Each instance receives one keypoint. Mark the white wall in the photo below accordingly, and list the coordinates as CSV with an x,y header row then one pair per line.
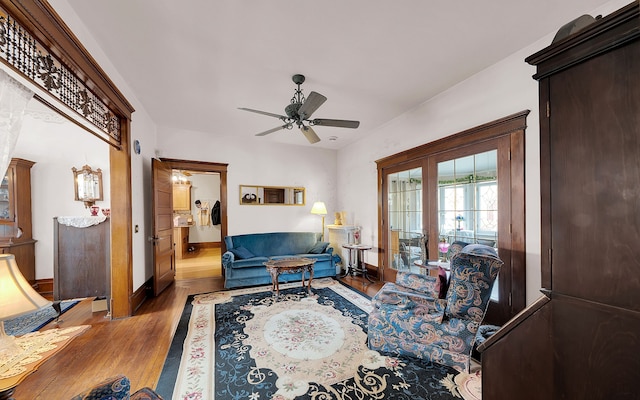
x,y
502,89
206,188
56,145
258,162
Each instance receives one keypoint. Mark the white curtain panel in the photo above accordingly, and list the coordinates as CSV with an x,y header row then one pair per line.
x,y
14,97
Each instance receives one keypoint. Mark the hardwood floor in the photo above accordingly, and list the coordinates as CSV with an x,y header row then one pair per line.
x,y
202,263
135,346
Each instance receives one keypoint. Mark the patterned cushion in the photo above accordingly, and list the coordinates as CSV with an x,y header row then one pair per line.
x,y
455,248
115,388
472,278
145,394
398,297
418,282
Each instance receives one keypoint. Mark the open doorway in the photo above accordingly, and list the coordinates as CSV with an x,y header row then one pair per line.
x,y
197,226
199,217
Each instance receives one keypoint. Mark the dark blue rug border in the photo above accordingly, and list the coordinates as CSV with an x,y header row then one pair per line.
x,y
18,331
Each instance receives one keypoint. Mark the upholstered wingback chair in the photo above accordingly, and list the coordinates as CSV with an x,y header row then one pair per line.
x,y
409,318
116,388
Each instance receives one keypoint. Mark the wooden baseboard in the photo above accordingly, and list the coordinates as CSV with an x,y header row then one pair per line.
x,y
139,296
372,271
206,245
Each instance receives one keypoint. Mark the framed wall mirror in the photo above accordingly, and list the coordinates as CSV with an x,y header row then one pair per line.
x,y
252,195
88,185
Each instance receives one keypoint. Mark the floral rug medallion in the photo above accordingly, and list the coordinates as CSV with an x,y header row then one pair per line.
x,y
303,341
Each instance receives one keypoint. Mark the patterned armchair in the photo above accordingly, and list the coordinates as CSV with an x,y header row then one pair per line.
x,y
409,318
116,388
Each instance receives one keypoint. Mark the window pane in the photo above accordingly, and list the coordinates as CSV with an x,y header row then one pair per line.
x,y
405,217
468,201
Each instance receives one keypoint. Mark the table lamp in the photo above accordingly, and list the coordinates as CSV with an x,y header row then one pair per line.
x,y
320,209
17,297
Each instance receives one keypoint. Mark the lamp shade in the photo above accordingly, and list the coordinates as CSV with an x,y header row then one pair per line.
x,y
319,208
17,297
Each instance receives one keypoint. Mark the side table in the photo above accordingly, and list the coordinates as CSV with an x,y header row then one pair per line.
x,y
355,264
432,267
290,266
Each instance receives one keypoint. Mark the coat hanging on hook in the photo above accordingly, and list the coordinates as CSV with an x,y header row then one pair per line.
x,y
215,213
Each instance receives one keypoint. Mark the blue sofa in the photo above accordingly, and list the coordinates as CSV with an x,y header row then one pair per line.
x,y
243,262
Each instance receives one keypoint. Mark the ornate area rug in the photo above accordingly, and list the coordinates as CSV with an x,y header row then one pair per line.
x,y
34,321
246,344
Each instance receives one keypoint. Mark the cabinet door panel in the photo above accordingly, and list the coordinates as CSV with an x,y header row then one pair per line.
x,y
594,177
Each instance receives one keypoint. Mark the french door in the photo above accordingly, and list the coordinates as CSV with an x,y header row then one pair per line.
x,y
470,191
469,201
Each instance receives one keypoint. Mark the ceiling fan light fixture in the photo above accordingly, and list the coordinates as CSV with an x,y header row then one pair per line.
x,y
300,110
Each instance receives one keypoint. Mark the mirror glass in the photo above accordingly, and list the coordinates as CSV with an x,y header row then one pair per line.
x,y
88,184
252,195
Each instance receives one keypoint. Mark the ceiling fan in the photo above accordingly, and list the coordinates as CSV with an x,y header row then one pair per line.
x,y
299,112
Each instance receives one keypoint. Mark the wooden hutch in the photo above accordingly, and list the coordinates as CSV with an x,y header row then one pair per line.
x,y
15,217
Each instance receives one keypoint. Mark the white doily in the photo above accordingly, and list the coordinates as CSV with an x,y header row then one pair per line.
x,y
82,222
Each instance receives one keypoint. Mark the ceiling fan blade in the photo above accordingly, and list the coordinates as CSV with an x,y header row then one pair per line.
x,y
263,113
340,123
311,104
285,126
310,134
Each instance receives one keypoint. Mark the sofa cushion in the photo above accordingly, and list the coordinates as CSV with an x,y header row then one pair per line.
x,y
275,243
251,262
242,253
318,248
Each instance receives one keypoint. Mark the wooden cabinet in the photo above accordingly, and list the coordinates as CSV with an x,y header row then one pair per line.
x,y
181,239
182,196
82,266
15,216
584,342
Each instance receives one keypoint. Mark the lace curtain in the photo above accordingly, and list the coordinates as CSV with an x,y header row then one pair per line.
x,y
13,100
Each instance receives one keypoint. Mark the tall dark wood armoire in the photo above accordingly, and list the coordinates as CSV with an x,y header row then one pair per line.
x,y
582,339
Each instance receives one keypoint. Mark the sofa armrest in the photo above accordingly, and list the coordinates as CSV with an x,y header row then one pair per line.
x,y
116,387
401,297
228,258
405,304
145,394
429,285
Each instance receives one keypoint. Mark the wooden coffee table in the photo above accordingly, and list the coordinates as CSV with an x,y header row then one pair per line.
x,y
290,266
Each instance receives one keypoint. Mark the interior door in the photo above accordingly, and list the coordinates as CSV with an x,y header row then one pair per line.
x,y
163,251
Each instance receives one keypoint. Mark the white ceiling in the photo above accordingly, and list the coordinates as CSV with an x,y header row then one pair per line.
x,y
192,63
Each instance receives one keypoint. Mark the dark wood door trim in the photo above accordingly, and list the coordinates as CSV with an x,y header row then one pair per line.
x,y
204,166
